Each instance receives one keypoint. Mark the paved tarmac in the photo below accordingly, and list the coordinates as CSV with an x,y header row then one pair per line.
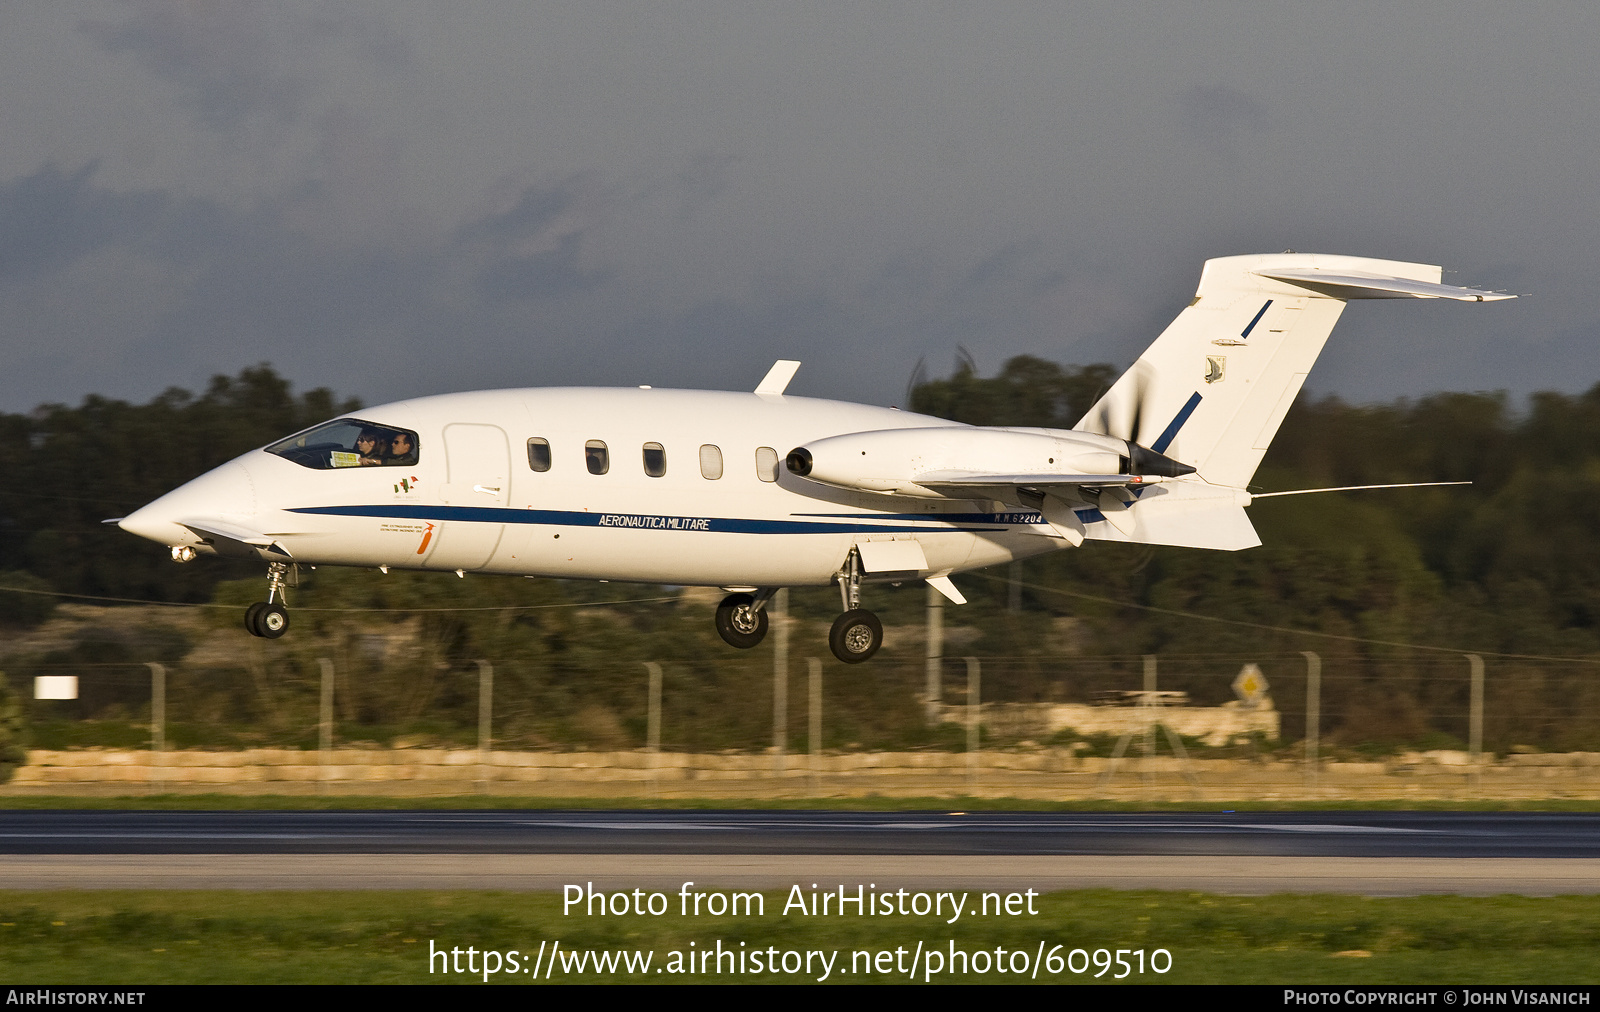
x,y
1372,853
1280,834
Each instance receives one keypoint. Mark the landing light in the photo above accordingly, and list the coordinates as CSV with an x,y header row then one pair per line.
x,y
182,553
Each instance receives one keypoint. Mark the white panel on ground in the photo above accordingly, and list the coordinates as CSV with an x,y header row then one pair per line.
x,y
55,687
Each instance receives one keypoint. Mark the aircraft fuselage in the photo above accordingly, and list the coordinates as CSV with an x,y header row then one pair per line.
x,y
473,502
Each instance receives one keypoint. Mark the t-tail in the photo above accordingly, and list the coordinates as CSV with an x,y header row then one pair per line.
x,y
1213,389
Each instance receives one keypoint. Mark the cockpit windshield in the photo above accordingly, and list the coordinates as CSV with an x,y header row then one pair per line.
x,y
349,442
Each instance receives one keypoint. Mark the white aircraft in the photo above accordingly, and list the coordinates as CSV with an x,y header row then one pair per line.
x,y
752,492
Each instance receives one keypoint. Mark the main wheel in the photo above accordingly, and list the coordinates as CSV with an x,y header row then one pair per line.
x,y
739,624
272,620
855,636
251,615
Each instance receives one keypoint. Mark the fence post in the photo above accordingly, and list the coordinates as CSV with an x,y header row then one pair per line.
x,y
814,717
779,609
974,712
158,721
485,722
325,724
933,690
1313,715
1148,702
652,742
1475,721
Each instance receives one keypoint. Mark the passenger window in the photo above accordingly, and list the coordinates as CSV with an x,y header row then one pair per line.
x,y
655,460
596,456
349,442
710,462
766,463
539,454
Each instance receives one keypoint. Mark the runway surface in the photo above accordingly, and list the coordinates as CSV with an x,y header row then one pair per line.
x,y
1371,853
1278,834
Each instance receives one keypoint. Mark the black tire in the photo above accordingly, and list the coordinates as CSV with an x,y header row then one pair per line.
x,y
251,614
855,636
272,620
740,630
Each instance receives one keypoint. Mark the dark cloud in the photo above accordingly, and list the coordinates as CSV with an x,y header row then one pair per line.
x,y
1218,116
220,56
51,218
237,61
534,248
701,181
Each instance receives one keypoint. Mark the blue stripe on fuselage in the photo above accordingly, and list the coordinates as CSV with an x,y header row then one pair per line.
x,y
641,521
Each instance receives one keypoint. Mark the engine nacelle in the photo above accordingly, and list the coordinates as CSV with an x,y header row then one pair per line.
x,y
891,460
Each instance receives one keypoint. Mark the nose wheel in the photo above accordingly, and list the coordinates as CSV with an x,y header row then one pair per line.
x,y
269,619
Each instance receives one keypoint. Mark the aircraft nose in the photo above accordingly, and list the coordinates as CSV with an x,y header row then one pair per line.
x,y
224,492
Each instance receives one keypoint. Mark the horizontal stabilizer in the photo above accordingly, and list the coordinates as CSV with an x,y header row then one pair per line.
x,y
1361,285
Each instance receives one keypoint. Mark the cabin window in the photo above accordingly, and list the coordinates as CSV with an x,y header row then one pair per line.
x,y
349,442
766,463
596,456
710,462
539,453
655,460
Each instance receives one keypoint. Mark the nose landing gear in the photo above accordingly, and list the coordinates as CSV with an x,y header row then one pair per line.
x,y
269,619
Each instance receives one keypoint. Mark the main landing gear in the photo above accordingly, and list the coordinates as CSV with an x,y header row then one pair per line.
x,y
269,619
742,619
856,635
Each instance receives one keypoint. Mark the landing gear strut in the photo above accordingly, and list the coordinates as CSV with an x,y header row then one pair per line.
x,y
857,634
269,619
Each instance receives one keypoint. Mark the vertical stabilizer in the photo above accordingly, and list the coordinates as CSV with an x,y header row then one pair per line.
x,y
1214,387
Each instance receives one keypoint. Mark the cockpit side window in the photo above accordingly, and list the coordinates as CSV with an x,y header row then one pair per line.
x,y
349,442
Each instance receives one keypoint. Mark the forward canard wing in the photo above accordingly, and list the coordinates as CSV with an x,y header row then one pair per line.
x,y
233,541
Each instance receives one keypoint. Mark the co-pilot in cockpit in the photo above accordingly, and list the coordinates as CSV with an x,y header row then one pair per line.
x,y
349,442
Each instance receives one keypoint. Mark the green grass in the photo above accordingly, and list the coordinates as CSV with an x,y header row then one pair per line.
x,y
384,937
870,803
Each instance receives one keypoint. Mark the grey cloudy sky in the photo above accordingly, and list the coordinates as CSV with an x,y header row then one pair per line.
x,y
397,197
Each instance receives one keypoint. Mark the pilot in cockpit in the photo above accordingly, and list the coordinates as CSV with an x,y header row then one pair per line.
x,y
402,451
